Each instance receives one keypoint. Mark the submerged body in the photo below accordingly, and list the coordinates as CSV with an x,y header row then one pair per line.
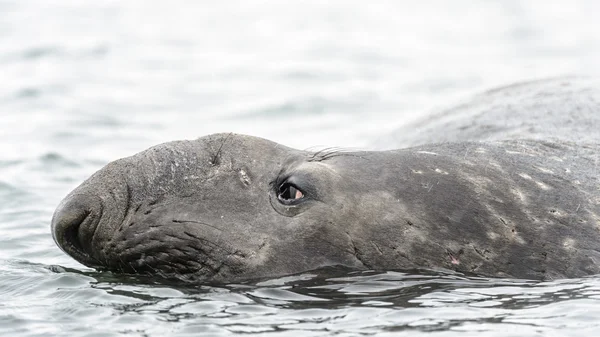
x,y
227,207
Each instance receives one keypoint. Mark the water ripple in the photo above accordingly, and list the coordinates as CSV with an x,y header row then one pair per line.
x,y
85,83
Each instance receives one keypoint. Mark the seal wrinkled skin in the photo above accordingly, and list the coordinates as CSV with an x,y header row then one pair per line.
x,y
505,186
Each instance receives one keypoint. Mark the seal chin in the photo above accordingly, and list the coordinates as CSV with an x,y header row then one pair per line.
x,y
74,224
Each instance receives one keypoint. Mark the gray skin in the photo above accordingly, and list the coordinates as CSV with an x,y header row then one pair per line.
x,y
215,210
564,108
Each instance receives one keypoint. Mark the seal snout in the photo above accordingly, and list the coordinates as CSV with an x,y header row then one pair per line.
x,y
74,223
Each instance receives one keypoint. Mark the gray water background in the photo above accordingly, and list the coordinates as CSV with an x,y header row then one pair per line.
x,y
86,82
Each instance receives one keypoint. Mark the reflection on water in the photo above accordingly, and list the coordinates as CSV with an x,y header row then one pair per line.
x,y
322,301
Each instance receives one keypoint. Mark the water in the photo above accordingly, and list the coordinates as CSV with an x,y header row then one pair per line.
x,y
86,82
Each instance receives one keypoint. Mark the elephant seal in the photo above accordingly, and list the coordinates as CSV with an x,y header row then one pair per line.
x,y
228,207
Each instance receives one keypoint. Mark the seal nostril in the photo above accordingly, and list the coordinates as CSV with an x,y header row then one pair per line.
x,y
66,223
71,232
74,224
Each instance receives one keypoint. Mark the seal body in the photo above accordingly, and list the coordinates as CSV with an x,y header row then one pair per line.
x,y
227,207
558,109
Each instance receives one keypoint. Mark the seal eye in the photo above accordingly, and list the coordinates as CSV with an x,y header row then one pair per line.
x,y
288,193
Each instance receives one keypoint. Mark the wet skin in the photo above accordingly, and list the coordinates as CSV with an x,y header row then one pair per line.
x,y
229,207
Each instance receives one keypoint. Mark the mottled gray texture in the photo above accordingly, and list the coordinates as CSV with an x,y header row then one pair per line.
x,y
207,209
564,108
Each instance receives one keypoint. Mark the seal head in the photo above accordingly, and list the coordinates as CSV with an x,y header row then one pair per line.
x,y
221,207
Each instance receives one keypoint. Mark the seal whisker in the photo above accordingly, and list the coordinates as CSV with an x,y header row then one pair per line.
x,y
215,158
205,240
196,222
331,152
123,263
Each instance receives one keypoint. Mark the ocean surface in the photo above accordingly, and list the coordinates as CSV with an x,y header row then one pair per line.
x,y
85,82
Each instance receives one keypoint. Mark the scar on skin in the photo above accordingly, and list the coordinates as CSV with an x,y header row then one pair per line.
x,y
545,170
542,185
453,259
569,243
440,171
244,177
525,176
